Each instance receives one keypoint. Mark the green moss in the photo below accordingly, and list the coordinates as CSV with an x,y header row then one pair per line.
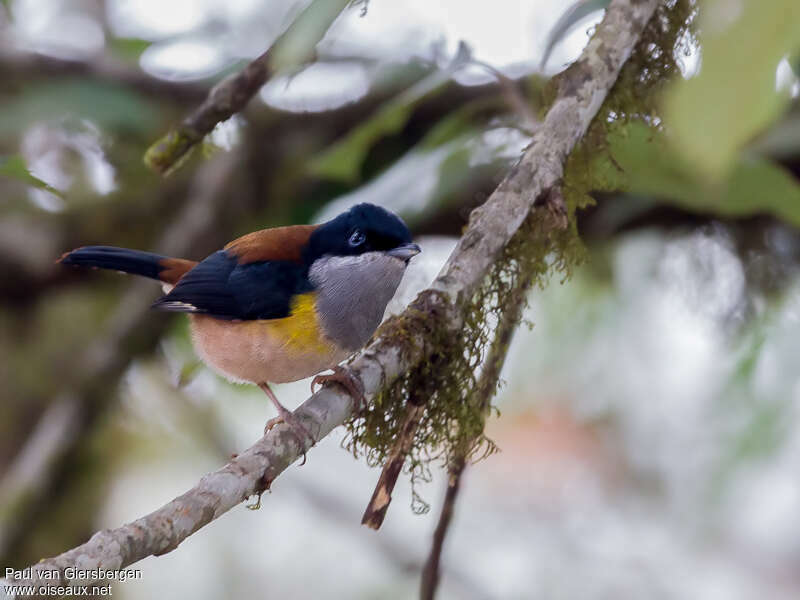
x,y
634,98
171,151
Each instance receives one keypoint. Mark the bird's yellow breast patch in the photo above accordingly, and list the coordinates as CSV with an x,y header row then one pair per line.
x,y
301,330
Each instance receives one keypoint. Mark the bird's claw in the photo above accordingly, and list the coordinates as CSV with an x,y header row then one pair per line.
x,y
344,377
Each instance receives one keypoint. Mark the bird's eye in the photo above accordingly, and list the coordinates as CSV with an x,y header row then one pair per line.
x,y
357,238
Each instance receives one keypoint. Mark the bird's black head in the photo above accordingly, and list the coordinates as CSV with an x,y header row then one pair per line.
x,y
363,228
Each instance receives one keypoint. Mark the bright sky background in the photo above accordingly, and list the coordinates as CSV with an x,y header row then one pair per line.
x,y
195,37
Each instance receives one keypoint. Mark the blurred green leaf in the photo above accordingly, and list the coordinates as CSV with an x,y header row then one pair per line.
x,y
342,161
460,122
129,49
296,45
568,20
110,107
14,167
188,372
455,174
644,162
734,96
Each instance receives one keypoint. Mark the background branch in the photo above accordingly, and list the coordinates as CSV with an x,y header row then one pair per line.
x,y
430,572
295,46
581,92
19,64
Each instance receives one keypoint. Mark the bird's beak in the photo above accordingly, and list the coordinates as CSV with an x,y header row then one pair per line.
x,y
405,252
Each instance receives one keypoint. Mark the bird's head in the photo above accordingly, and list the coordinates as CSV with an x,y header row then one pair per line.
x,y
356,262
364,229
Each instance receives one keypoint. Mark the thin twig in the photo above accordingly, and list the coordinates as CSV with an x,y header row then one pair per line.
x,y
295,45
580,95
513,96
382,495
430,573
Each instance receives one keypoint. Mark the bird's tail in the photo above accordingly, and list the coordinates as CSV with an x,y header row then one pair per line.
x,y
136,262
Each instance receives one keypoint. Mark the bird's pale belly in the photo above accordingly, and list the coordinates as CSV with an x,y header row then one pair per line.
x,y
274,350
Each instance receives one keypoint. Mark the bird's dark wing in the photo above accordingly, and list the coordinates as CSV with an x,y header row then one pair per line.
x,y
222,288
254,277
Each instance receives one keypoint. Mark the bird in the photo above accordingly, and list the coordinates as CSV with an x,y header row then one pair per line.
x,y
280,304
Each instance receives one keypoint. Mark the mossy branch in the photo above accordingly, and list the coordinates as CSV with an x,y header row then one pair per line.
x,y
293,48
439,311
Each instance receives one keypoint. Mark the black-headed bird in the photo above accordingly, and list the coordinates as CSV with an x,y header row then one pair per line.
x,y
280,304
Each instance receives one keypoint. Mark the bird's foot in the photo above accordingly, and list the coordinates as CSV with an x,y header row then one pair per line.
x,y
344,377
296,428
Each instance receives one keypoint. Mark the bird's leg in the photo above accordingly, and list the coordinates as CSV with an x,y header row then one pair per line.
x,y
344,377
286,416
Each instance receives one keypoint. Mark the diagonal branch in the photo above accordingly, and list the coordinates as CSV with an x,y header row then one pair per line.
x,y
293,47
581,92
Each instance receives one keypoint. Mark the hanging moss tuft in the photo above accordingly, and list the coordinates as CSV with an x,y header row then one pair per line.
x,y
453,420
